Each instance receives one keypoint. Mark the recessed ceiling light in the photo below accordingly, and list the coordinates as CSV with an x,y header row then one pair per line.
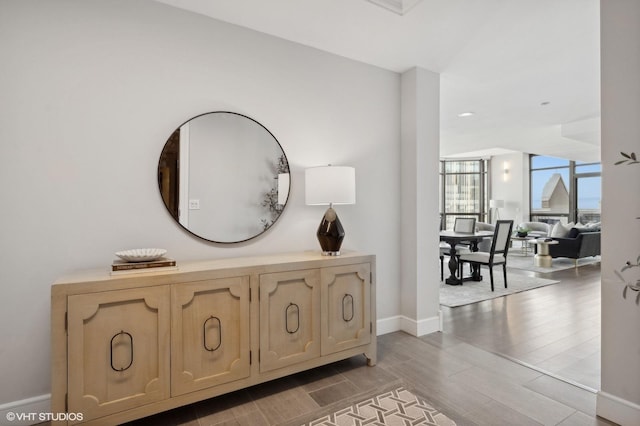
x,y
466,114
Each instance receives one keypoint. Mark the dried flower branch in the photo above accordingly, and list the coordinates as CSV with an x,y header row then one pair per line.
x,y
628,159
630,285
270,200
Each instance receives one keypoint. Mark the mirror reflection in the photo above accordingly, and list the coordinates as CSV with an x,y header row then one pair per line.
x,y
223,177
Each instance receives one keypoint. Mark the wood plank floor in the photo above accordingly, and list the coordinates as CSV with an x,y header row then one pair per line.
x,y
459,371
554,328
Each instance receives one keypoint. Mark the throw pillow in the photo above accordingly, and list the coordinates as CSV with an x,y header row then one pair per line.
x,y
561,231
574,232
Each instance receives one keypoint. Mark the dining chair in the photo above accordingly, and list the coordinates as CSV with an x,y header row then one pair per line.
x,y
497,255
465,225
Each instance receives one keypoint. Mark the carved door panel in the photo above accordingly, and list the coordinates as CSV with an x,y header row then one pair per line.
x,y
346,296
210,333
289,318
118,350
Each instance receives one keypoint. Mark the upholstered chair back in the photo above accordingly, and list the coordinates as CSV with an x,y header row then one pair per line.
x,y
466,225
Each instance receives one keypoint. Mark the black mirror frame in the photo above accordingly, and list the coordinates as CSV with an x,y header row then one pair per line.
x,y
159,176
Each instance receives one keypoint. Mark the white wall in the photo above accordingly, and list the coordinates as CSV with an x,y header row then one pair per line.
x,y
512,187
90,93
619,399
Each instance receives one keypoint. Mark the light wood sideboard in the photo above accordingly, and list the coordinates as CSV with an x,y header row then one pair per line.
x,y
128,346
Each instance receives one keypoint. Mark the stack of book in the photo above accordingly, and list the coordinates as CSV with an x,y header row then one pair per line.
x,y
124,267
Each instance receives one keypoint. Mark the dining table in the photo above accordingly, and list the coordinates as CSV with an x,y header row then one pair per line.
x,y
454,238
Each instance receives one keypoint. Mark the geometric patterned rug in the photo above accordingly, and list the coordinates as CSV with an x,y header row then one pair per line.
x,y
396,407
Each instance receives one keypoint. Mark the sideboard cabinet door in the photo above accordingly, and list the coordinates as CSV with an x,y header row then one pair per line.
x,y
209,333
289,318
118,345
346,296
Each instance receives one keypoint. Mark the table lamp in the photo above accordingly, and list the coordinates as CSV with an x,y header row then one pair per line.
x,y
329,185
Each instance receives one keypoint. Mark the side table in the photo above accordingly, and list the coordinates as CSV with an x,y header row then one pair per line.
x,y
543,259
524,244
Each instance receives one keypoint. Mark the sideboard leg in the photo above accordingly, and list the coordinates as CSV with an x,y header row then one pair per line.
x,y
371,359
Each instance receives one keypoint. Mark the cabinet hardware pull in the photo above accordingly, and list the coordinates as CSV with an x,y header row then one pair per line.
x,y
122,333
204,333
286,317
349,299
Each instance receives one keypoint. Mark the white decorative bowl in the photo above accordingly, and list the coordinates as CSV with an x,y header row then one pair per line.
x,y
141,255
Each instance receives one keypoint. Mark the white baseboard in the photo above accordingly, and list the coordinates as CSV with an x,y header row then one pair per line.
x,y
410,326
617,410
26,411
388,325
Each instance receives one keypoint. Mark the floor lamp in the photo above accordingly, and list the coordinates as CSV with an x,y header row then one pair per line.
x,y
496,205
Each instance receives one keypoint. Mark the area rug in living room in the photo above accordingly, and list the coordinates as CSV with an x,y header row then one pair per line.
x,y
394,407
477,291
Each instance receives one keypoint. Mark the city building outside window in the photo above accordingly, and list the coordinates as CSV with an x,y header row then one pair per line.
x,y
463,190
564,191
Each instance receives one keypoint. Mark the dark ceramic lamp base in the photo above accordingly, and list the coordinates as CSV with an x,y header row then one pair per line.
x,y
330,233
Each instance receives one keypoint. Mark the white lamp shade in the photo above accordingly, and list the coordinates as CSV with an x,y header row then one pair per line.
x,y
496,204
283,188
330,185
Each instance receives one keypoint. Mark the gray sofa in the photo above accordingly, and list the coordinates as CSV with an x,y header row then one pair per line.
x,y
581,242
536,229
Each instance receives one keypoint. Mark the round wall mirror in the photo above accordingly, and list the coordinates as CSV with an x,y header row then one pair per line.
x,y
224,177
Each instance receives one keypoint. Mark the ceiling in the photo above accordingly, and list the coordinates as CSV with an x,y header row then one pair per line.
x,y
529,70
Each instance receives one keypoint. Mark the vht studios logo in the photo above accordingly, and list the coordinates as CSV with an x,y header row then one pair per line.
x,y
44,417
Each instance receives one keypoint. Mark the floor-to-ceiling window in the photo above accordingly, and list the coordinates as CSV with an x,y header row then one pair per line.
x,y
587,182
563,190
463,190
